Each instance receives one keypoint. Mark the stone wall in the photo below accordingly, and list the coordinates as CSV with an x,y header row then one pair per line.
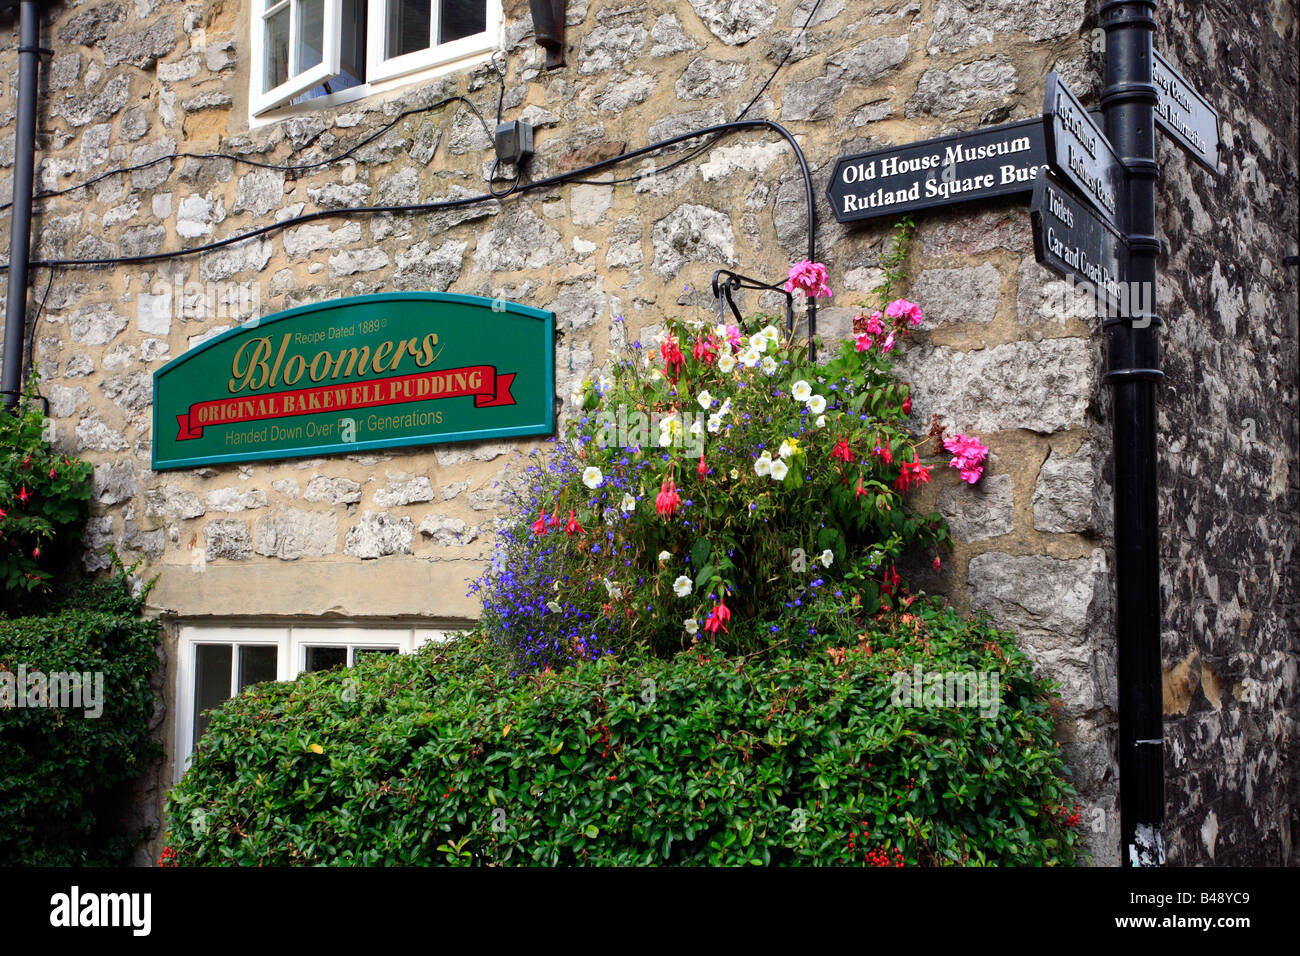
x,y
1229,441
395,535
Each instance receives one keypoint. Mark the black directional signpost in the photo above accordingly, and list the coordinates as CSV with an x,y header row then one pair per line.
x,y
994,161
1184,114
1093,211
1079,150
1072,240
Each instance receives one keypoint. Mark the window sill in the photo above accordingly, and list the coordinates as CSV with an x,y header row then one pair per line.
x,y
374,88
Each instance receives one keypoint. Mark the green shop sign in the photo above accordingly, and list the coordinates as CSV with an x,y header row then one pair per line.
x,y
374,371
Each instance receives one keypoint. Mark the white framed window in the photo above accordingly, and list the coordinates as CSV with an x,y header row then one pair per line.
x,y
333,50
217,662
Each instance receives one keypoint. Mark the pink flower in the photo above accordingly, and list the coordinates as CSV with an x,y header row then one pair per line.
x,y
809,278
733,336
863,342
888,344
874,325
901,308
968,458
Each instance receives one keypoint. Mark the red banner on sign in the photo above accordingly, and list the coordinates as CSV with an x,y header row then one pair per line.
x,y
487,387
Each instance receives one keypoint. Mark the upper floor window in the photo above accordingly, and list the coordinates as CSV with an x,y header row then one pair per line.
x,y
304,49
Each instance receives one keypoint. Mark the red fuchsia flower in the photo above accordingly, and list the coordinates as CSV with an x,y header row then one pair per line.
x,y
884,454
902,309
718,618
668,500
937,563
860,489
809,278
51,471
890,584
673,359
539,526
23,495
702,469
706,350
907,404
554,520
842,451
968,456
913,473
572,527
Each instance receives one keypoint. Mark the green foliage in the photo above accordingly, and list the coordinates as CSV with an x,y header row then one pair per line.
x,y
64,772
44,497
784,757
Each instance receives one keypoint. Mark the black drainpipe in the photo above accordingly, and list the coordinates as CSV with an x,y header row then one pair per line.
x,y
1128,102
20,222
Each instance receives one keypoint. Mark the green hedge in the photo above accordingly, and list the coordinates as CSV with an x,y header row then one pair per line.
x,y
62,773
784,757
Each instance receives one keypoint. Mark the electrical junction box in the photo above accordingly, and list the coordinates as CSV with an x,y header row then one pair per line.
x,y
514,141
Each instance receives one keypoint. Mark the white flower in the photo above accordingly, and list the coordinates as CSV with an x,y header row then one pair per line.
x,y
612,589
763,466
606,383
779,470
591,477
821,421
682,586
772,334
785,450
725,408
828,558
817,404
705,399
576,397
758,342
551,605
750,357
801,391
691,625
735,474
769,364
628,504
697,428
715,423
665,557
726,363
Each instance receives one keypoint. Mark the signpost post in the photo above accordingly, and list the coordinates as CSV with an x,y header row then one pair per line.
x,y
1129,101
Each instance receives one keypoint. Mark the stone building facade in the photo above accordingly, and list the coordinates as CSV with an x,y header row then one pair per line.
x,y
387,540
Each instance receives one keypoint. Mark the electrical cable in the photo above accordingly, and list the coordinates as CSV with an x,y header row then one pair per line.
x,y
434,206
286,168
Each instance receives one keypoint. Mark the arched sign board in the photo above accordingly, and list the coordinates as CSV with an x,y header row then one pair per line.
x,y
358,374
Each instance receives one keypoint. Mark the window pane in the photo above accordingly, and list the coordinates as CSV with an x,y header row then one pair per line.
x,y
363,652
408,27
461,18
311,33
323,658
257,663
211,682
277,49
